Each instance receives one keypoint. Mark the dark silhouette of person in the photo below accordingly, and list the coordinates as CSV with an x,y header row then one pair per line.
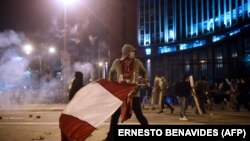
x,y
165,90
76,84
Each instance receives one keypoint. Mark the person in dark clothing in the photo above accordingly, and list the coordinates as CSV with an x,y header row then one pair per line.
x,y
243,96
76,84
201,89
183,90
165,89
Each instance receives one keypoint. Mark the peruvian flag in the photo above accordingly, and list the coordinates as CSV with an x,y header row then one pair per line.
x,y
91,106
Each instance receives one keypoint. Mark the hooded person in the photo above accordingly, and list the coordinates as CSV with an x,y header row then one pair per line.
x,y
76,84
127,69
127,66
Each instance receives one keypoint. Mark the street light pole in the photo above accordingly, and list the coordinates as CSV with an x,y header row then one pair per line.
x,y
40,65
65,51
65,27
65,60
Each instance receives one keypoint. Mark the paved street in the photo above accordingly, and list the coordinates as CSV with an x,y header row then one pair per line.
x,y
40,122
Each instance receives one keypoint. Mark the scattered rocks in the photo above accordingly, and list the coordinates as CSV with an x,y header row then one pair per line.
x,y
30,116
38,138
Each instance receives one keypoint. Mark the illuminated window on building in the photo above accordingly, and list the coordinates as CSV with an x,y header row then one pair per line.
x,y
148,51
194,44
184,46
147,39
187,67
199,43
166,49
203,65
167,21
247,59
234,32
171,34
234,55
218,38
219,63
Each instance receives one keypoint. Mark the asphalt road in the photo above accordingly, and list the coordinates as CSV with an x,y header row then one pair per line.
x,y
40,121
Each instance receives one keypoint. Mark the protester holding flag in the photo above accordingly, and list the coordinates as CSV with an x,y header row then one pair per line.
x,y
127,69
90,107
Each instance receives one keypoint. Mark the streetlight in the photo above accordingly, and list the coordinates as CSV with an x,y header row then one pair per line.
x,y
100,69
28,49
52,50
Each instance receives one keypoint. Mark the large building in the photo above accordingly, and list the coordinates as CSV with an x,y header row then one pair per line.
x,y
202,37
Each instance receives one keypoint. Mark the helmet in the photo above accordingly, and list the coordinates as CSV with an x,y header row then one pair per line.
x,y
126,50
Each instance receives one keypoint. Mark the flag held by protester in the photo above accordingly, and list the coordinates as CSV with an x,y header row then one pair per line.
x,y
91,106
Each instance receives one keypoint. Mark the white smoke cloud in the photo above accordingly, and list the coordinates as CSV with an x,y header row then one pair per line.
x,y
85,24
92,39
10,38
86,68
18,85
13,68
12,65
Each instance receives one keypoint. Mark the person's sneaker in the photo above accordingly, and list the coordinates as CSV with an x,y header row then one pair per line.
x,y
183,118
161,111
172,111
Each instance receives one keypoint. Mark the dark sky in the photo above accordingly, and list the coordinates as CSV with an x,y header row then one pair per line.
x,y
32,15
27,15
43,20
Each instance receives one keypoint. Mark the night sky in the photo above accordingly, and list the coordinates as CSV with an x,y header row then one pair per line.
x,y
26,15
39,16
43,20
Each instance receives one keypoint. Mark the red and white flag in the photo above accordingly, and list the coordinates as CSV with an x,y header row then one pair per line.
x,y
91,106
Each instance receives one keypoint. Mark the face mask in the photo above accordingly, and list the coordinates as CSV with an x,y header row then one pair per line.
x,y
132,54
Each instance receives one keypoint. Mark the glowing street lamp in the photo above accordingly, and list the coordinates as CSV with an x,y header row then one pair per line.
x,y
52,50
68,2
28,48
100,64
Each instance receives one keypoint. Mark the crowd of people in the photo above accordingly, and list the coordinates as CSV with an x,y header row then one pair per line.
x,y
232,95
162,95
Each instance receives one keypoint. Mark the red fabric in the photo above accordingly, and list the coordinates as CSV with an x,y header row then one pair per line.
x,y
119,90
126,108
75,129
127,68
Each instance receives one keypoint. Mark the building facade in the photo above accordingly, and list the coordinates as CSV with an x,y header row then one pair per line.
x,y
202,37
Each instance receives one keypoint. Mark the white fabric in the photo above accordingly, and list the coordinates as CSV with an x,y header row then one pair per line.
x,y
98,98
